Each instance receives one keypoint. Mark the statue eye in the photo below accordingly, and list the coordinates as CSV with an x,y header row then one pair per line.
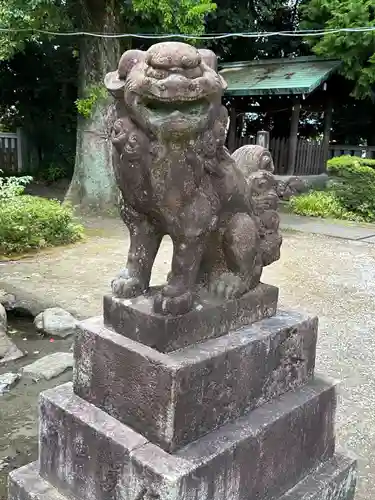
x,y
133,139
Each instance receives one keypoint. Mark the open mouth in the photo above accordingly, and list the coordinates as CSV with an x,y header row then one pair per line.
x,y
165,108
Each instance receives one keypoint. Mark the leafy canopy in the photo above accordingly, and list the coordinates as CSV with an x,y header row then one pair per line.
x,y
234,16
355,50
184,16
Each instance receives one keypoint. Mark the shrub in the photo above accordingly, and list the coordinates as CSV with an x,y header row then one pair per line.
x,y
30,222
12,186
367,162
320,204
334,165
53,173
350,195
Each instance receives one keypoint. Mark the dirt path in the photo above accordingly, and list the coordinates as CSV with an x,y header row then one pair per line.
x,y
332,278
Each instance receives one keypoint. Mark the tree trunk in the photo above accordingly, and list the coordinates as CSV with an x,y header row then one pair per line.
x,y
93,186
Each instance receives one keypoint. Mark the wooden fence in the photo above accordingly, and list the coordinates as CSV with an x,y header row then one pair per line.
x,y
10,152
343,149
309,156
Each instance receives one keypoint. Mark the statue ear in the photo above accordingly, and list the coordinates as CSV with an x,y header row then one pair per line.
x,y
114,85
224,84
209,58
115,80
128,60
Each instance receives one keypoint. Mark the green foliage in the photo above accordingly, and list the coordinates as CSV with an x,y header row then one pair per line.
x,y
367,162
38,90
258,15
93,95
24,15
184,16
340,166
319,204
30,223
10,187
355,188
350,195
53,173
339,163
355,50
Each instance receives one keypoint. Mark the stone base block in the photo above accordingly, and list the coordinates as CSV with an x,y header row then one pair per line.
x,y
334,480
87,454
175,398
210,317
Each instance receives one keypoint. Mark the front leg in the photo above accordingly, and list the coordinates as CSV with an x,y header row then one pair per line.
x,y
144,244
177,296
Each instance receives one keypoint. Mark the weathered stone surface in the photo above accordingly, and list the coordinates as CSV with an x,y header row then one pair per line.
x,y
210,318
26,484
177,397
334,480
3,320
271,449
261,455
7,381
288,186
56,322
177,178
8,300
8,349
49,366
19,299
82,450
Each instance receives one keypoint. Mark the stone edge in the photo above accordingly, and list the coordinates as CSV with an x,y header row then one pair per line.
x,y
337,476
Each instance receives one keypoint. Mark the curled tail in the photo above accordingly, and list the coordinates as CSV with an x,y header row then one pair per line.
x,y
256,164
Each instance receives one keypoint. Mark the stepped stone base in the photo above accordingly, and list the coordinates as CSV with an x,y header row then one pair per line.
x,y
175,398
84,451
236,417
334,480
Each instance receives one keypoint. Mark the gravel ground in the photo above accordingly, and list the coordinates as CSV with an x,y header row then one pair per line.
x,y
331,278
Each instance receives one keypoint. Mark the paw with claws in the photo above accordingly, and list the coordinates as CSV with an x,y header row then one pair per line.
x,y
227,286
126,286
165,303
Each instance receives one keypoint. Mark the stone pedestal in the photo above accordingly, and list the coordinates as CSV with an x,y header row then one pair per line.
x,y
236,413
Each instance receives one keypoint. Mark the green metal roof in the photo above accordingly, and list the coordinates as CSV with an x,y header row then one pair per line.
x,y
300,75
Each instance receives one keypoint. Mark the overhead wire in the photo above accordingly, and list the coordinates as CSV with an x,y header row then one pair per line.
x,y
205,36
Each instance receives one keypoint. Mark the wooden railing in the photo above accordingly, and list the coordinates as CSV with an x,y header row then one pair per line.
x,y
310,154
343,149
309,157
10,152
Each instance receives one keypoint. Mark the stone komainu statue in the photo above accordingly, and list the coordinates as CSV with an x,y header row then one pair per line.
x,y
177,178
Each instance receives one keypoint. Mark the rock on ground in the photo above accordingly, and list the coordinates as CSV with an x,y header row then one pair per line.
x,y
290,187
8,350
3,319
49,366
56,322
8,300
7,381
